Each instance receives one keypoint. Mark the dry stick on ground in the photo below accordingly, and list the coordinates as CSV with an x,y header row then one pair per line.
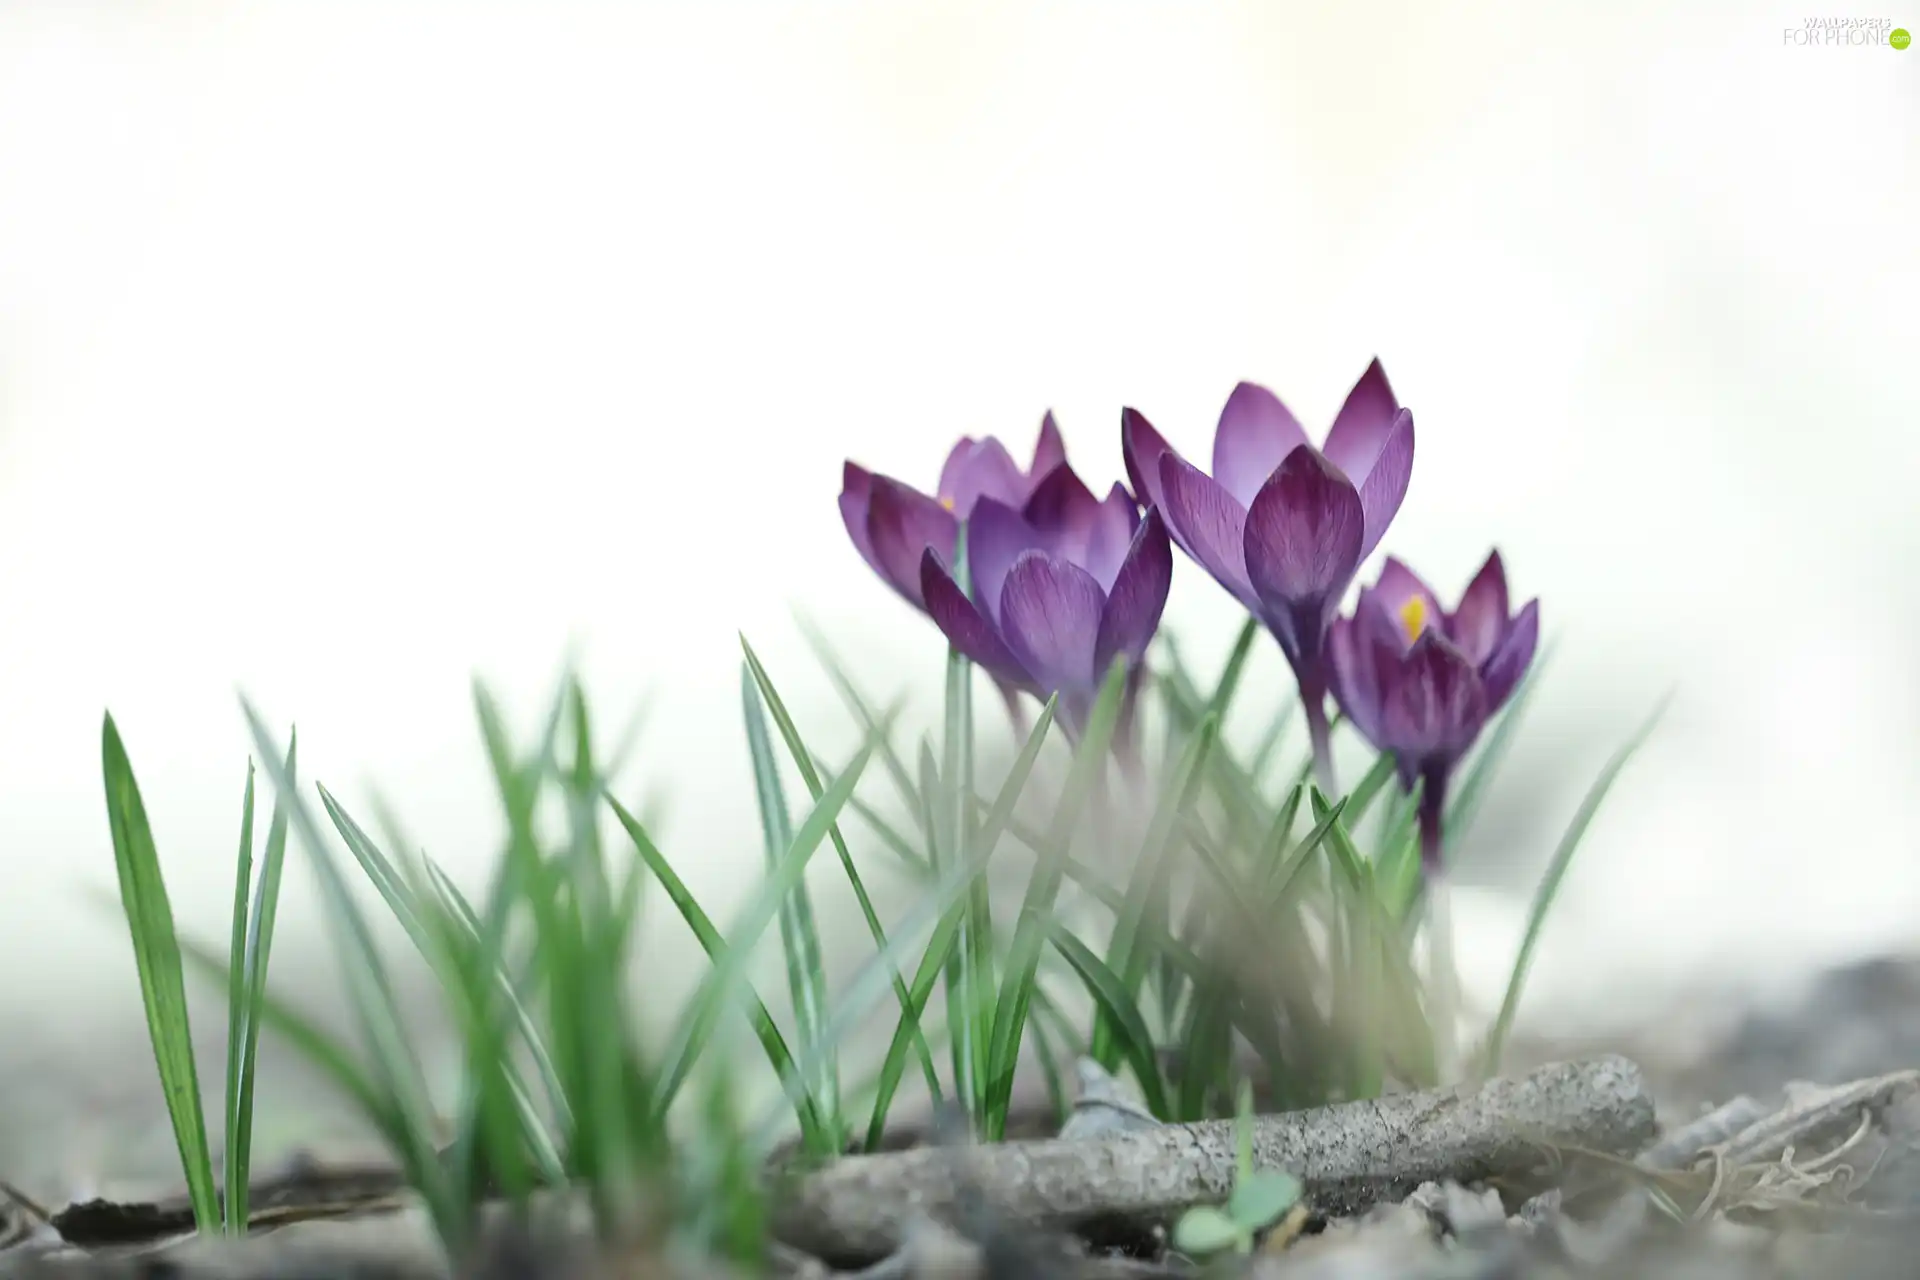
x,y
1350,1156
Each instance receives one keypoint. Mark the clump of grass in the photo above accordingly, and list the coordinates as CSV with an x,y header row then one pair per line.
x,y
157,956
1294,944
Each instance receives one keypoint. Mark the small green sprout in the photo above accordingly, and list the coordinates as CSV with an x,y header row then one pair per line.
x,y
1259,1198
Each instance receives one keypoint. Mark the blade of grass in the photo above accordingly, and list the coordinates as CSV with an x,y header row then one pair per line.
x,y
235,1205
939,951
254,956
1361,798
890,836
765,1029
799,934
1549,886
870,724
375,1005
491,1008
473,934
803,760
959,1023
1087,774
320,1049
974,963
406,906
871,979
156,952
1172,990
933,962
1126,956
1109,990
717,988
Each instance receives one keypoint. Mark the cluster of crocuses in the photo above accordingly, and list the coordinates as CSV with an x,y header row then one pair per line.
x,y
1060,583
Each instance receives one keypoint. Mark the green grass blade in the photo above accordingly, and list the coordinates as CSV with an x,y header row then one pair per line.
x,y
874,726
472,933
255,954
764,1027
1117,1003
443,952
870,980
235,1206
1361,798
492,1133
1147,884
816,787
799,934
933,962
494,1011
718,988
890,836
156,952
973,966
1549,885
1087,774
940,950
315,1045
375,1005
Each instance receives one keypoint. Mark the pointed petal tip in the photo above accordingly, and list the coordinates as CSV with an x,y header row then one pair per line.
x,y
962,622
1138,596
1049,448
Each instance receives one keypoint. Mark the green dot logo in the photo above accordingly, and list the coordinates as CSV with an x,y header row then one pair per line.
x,y
1899,38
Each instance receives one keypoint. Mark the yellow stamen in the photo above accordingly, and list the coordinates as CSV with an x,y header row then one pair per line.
x,y
947,503
1413,616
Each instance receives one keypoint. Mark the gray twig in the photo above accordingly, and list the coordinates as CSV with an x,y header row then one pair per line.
x,y
1349,1156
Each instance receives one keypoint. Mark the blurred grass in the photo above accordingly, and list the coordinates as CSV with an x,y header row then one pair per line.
x,y
1254,921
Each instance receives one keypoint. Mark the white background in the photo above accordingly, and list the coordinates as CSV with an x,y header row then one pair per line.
x,y
346,351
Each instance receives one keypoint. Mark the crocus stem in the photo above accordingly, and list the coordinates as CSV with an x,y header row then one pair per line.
x,y
1313,696
1443,976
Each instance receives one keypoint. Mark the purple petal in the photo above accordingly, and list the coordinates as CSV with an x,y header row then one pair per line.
x,y
996,535
1481,621
1434,705
1050,618
1362,425
1049,451
1356,687
965,627
1397,586
1304,532
1063,511
980,469
1138,596
1502,671
1143,447
901,523
1112,537
1207,523
856,487
1255,435
1385,486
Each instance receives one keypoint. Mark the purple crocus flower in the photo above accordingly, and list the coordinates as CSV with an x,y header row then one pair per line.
x,y
1280,524
1058,591
891,523
1421,683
